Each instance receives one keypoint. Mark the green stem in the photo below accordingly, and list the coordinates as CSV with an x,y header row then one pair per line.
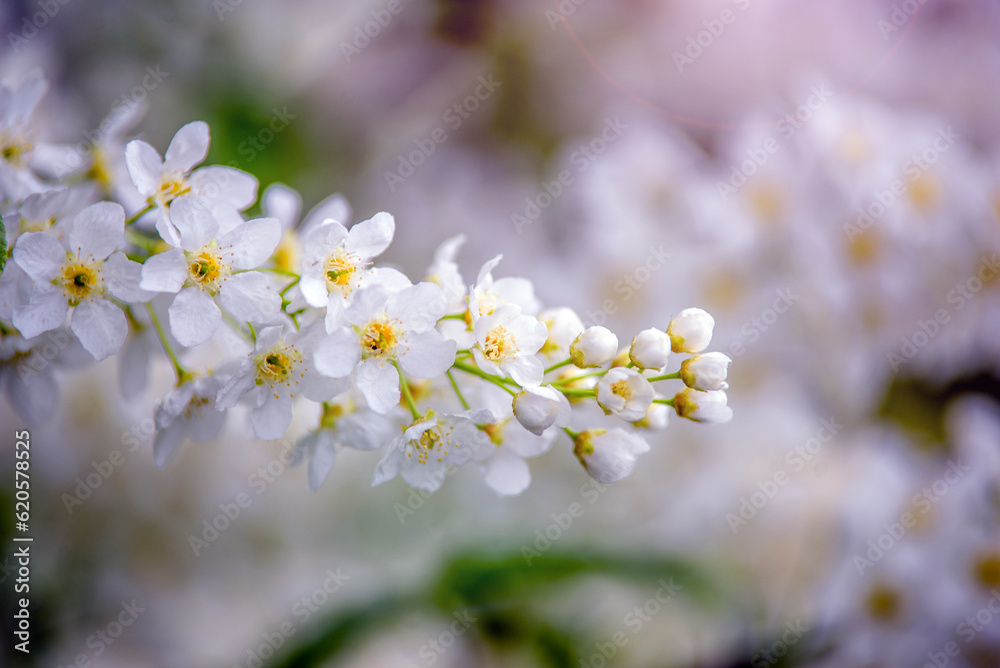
x,y
405,389
280,272
499,382
138,215
665,402
571,379
578,393
667,376
290,286
559,365
573,435
458,392
183,375
454,316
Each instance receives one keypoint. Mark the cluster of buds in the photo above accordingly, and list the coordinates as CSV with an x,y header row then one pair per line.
x,y
156,258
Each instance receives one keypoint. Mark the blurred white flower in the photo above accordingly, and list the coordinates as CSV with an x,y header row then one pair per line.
x,y
707,371
700,406
538,408
608,455
507,342
650,349
625,393
594,347
691,330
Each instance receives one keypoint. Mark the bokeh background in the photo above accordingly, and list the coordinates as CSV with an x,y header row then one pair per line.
x,y
847,516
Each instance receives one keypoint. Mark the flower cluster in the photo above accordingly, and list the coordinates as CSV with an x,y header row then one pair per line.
x,y
435,373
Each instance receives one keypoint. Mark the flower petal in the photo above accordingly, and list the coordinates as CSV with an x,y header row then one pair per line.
x,y
334,207
250,297
219,186
188,147
338,354
164,272
250,244
40,255
122,277
194,223
271,419
418,307
428,354
379,383
98,230
194,317
281,202
369,238
100,326
391,464
46,311
507,474
144,166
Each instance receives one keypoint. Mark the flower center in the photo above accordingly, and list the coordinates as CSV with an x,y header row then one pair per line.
x,y
172,186
379,338
925,193
80,280
987,570
276,365
286,255
499,344
206,268
494,430
433,443
340,269
883,603
15,150
622,389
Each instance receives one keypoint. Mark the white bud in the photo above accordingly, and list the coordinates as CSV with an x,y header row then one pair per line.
x,y
691,330
650,349
708,407
625,393
595,346
706,372
538,408
608,455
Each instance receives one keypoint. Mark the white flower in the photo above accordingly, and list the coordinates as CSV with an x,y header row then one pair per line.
x,y
384,328
594,347
343,424
26,372
650,349
224,190
431,446
444,271
538,408
206,264
487,295
503,465
506,343
278,370
691,330
187,412
79,278
706,372
44,211
17,145
281,202
608,455
337,261
708,407
625,393
564,326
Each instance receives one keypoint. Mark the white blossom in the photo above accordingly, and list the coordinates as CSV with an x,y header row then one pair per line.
x,y
625,393
706,372
594,347
700,406
691,330
650,349
609,455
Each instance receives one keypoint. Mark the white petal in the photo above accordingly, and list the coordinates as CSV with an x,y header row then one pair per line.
x,y
371,237
98,230
391,464
336,312
426,477
221,186
122,276
526,370
271,419
133,366
32,393
250,244
194,223
418,307
194,317
281,202
314,290
100,326
164,272
40,255
334,207
323,458
238,385
46,311
324,240
379,383
338,354
144,166
166,442
507,473
428,354
250,297
188,147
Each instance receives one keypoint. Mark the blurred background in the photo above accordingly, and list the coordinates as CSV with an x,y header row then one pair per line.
x,y
824,178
